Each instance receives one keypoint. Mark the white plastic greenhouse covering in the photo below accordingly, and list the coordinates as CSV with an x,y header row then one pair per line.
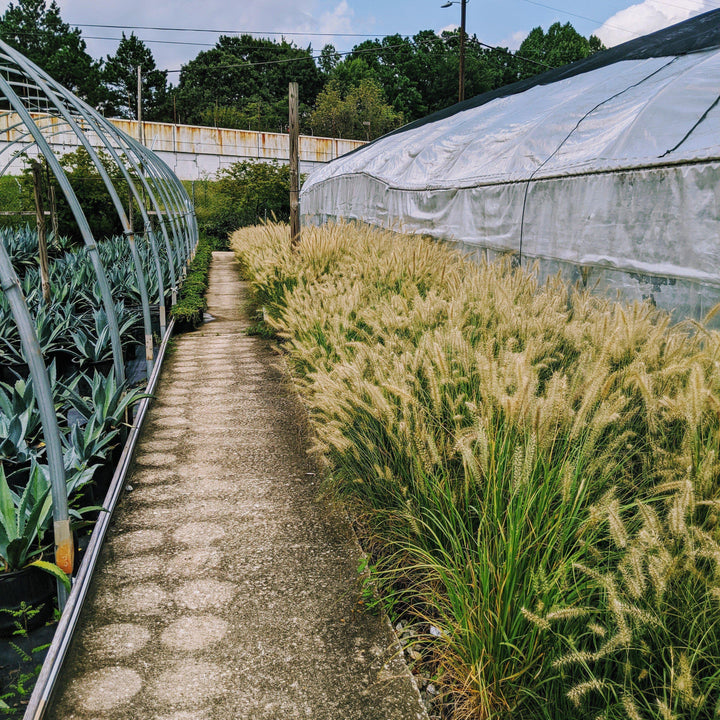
x,y
607,170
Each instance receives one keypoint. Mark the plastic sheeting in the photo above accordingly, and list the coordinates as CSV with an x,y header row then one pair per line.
x,y
611,175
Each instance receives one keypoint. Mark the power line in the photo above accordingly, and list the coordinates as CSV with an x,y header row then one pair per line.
x,y
582,17
610,25
363,52
228,32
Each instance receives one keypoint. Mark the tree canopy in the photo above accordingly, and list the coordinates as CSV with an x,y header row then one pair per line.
x,y
242,82
250,75
38,32
120,76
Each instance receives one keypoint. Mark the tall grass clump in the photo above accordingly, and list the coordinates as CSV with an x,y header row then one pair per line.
x,y
535,470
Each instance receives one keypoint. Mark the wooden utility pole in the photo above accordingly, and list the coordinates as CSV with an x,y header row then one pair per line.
x,y
141,131
53,204
42,236
294,130
461,79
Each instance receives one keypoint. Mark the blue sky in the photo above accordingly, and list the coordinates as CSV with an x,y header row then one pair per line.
x,y
320,21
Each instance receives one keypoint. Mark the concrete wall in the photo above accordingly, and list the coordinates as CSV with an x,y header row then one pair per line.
x,y
193,152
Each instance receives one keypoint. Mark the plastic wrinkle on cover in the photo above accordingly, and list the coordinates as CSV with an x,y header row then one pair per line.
x,y
606,170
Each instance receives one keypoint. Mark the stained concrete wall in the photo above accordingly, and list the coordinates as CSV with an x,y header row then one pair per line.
x,y
192,151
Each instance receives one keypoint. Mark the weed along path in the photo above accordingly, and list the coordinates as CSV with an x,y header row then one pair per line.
x,y
227,590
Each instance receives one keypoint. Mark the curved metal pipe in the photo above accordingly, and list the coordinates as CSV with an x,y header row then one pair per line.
x,y
129,233
80,219
64,548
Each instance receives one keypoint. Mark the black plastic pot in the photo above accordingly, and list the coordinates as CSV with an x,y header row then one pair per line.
x,y
31,586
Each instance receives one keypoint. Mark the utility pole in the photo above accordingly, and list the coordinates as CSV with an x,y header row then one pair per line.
x,y
294,130
461,78
42,235
53,204
141,132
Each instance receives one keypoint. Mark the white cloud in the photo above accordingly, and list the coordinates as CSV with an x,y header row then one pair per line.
x,y
514,41
264,16
647,17
338,20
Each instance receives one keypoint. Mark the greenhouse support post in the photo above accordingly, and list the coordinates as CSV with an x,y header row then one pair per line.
x,y
64,548
294,130
41,231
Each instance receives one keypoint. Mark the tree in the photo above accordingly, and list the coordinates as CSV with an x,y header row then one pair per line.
x,y
38,32
91,193
120,76
561,44
244,194
240,71
361,112
329,58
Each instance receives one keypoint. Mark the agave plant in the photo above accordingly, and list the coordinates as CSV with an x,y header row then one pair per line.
x,y
52,325
21,530
16,433
88,441
107,402
77,475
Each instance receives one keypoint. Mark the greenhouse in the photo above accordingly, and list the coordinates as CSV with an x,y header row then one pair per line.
x,y
82,334
606,170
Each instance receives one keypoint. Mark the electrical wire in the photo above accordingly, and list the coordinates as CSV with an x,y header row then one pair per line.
x,y
582,17
709,3
369,51
227,32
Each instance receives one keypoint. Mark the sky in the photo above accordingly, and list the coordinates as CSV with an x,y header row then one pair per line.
x,y
346,22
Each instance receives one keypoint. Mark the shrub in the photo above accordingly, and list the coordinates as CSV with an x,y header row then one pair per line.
x,y
189,309
244,194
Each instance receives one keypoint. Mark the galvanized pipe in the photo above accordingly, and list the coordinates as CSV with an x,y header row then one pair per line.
x,y
50,95
64,548
80,219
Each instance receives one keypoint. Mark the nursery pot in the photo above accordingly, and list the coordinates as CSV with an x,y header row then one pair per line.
x,y
30,585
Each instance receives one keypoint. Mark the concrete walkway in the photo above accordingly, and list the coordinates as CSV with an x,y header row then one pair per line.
x,y
227,590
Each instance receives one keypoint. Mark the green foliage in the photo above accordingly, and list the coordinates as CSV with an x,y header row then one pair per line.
x,y
21,523
17,687
561,44
233,75
361,113
189,309
37,30
245,193
91,193
120,76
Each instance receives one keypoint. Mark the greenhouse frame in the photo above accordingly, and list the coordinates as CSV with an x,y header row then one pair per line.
x,y
151,256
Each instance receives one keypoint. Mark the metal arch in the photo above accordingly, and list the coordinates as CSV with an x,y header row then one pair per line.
x,y
135,159
120,139
133,149
64,547
153,166
121,166
164,178
128,231
80,219
93,119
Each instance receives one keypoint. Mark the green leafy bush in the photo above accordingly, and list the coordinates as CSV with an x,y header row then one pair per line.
x,y
245,193
188,312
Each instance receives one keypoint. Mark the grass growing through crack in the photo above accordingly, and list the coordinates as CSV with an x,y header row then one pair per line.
x,y
536,469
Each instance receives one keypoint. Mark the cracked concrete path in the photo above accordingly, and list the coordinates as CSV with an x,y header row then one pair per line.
x,y
227,590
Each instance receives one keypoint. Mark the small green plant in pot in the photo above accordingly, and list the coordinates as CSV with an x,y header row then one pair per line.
x,y
24,575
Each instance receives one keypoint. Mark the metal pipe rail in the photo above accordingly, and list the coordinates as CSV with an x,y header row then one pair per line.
x,y
43,109
42,694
